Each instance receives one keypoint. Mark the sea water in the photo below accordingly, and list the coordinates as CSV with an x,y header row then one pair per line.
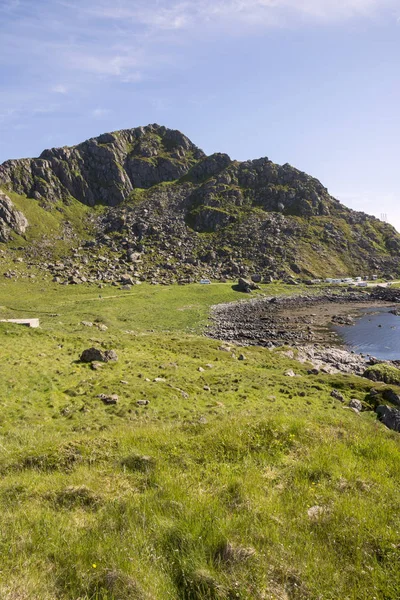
x,y
376,332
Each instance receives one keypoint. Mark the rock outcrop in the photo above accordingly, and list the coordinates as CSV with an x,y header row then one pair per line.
x,y
106,169
389,417
11,219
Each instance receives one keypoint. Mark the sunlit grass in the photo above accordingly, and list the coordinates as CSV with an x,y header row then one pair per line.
x,y
203,493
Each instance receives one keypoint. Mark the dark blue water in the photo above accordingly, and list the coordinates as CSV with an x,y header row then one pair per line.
x,y
376,332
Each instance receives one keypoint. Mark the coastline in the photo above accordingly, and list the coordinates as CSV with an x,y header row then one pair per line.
x,y
303,324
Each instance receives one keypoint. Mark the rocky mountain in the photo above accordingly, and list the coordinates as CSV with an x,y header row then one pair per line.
x,y
161,209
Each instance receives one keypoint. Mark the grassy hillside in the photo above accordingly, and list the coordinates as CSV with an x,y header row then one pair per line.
x,y
234,481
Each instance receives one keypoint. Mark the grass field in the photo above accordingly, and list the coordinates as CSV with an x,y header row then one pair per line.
x,y
234,481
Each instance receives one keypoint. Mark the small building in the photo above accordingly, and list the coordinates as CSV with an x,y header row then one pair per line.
x,y
34,323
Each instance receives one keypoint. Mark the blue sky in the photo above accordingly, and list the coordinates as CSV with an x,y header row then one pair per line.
x,y
315,83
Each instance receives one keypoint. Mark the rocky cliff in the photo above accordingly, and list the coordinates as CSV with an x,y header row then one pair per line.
x,y
11,219
169,211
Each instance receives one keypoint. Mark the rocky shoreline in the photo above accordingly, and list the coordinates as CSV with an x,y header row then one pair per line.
x,y
304,323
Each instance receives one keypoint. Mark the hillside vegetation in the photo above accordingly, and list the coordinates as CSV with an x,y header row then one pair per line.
x,y
211,478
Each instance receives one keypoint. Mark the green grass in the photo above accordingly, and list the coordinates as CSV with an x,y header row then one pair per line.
x,y
383,372
46,226
203,493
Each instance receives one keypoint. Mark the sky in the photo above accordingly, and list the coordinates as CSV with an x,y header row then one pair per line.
x,y
315,83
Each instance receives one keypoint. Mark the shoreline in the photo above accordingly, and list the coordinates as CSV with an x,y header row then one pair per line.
x,y
303,324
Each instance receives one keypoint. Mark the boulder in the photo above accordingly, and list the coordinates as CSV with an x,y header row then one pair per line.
x,y
356,404
256,278
126,279
389,417
109,399
391,396
337,395
96,355
247,286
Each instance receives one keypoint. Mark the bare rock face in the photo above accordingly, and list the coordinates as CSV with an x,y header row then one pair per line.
x,y
104,169
11,219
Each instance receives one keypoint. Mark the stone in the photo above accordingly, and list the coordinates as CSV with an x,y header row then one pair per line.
x,y
356,404
96,355
241,357
96,366
247,286
108,399
290,373
389,417
142,402
391,396
316,512
337,395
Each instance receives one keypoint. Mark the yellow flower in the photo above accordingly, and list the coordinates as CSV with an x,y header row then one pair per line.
x,y
94,565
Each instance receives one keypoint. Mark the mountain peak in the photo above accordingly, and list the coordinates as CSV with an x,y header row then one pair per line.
x,y
256,212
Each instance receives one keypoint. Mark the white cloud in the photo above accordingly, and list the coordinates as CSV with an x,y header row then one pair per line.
x,y
125,40
59,89
185,14
99,113
101,63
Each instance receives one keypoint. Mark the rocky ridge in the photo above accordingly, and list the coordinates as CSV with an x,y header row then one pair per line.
x,y
165,212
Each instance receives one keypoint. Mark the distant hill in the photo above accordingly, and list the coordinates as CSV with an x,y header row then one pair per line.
x,y
147,203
